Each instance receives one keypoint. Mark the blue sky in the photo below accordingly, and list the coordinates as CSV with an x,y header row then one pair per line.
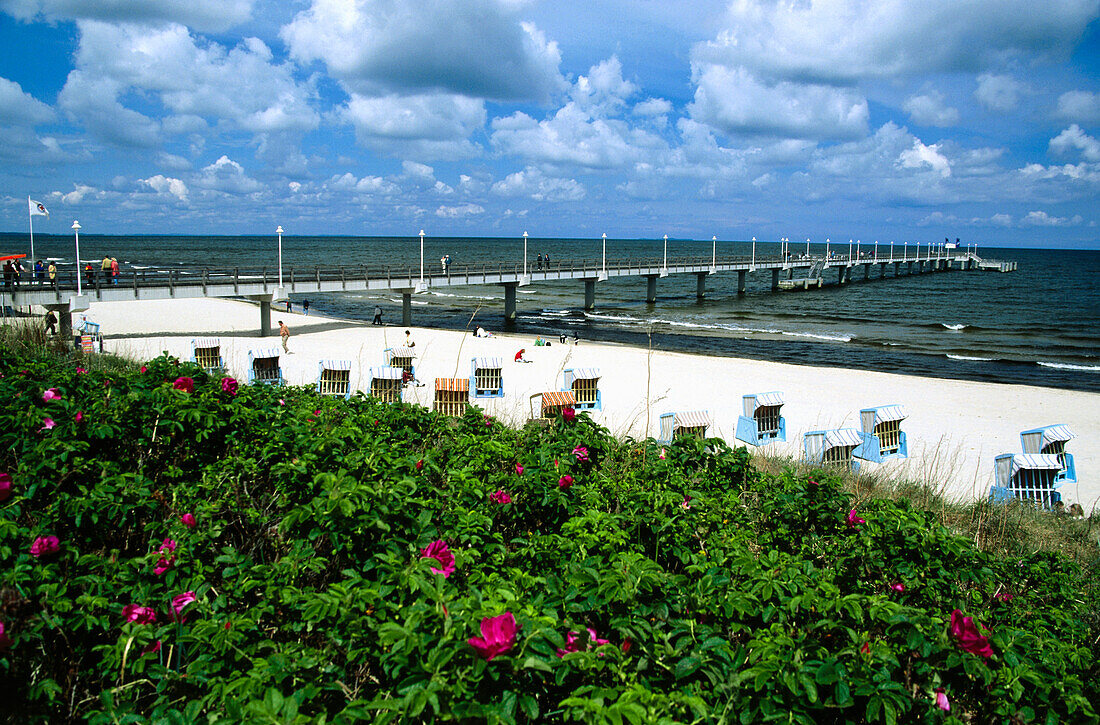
x,y
889,120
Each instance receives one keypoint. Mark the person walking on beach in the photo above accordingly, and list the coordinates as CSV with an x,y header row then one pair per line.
x,y
288,306
305,307
114,271
51,321
447,265
52,271
285,334
89,272
377,315
538,262
105,266
408,339
38,270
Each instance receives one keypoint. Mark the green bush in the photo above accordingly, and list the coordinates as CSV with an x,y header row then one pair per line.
x,y
724,595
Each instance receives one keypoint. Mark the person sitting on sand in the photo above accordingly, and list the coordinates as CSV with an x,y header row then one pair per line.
x,y
408,339
539,342
519,356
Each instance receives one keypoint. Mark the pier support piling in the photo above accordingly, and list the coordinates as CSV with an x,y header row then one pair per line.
x,y
406,308
701,285
651,288
265,312
510,302
775,279
64,320
741,274
590,294
840,271
866,272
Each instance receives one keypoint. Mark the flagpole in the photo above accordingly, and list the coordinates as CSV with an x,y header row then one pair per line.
x,y
30,220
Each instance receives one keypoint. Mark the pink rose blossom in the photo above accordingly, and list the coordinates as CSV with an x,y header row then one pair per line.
x,y
185,384
179,602
229,385
488,419
439,551
188,520
568,414
581,453
999,596
167,546
854,520
81,371
969,638
47,424
79,417
565,481
519,470
498,635
662,455
5,640
686,503
164,565
500,497
942,701
420,464
144,369
141,615
282,402
899,587
51,394
44,545
5,486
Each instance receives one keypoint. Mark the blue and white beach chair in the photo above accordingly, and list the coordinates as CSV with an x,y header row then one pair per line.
x,y
690,423
263,367
836,447
883,437
386,383
762,421
206,352
487,377
584,384
1029,476
400,357
1051,439
334,378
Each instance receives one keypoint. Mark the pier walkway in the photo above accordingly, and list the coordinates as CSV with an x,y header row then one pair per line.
x,y
265,285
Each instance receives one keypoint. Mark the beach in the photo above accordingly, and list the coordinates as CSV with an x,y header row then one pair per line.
x,y
955,428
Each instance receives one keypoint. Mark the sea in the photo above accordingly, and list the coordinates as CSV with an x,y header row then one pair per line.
x,y
1039,325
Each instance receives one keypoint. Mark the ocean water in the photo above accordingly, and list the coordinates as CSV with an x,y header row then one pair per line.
x,y
1039,325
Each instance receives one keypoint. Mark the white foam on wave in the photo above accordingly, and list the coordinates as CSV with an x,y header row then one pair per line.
x,y
1068,366
955,328
830,338
970,358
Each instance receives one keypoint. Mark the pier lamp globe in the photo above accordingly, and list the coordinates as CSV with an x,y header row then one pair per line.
x,y
753,265
421,257
713,254
665,263
76,235
279,231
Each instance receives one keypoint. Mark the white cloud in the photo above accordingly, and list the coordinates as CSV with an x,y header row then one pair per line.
x,y
535,185
922,155
930,109
735,101
998,92
166,184
1042,219
603,88
214,15
475,48
1079,106
652,107
373,185
1074,139
462,210
433,125
227,176
18,108
92,101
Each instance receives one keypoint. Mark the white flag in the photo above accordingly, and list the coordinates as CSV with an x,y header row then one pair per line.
x,y
37,208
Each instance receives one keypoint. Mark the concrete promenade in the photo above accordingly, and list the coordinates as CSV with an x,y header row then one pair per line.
x,y
264,284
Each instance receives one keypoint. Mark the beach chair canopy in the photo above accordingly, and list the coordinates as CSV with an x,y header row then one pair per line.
x,y
203,343
263,353
402,352
586,374
386,373
842,437
762,399
456,385
336,364
1055,434
1034,462
888,413
558,399
488,363
691,419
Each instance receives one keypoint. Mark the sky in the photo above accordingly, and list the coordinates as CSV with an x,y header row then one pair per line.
x,y
884,120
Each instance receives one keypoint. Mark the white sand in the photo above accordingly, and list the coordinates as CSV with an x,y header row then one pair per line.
x,y
955,428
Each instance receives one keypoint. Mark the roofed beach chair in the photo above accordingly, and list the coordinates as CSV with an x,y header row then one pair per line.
x,y
584,383
386,384
263,367
837,447
334,378
545,406
1051,439
487,377
1028,476
690,423
762,421
400,357
883,437
452,396
206,352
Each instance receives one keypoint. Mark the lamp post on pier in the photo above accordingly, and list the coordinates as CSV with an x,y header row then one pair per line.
x,y
753,265
525,254
827,241
905,251
665,263
876,250
76,234
713,253
849,251
807,246
605,254
279,231
421,257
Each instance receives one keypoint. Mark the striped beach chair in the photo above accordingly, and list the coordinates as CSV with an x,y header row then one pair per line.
x,y
883,437
1026,476
837,447
334,378
452,396
386,383
487,377
206,352
1051,440
691,423
400,357
762,421
584,383
545,406
263,367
